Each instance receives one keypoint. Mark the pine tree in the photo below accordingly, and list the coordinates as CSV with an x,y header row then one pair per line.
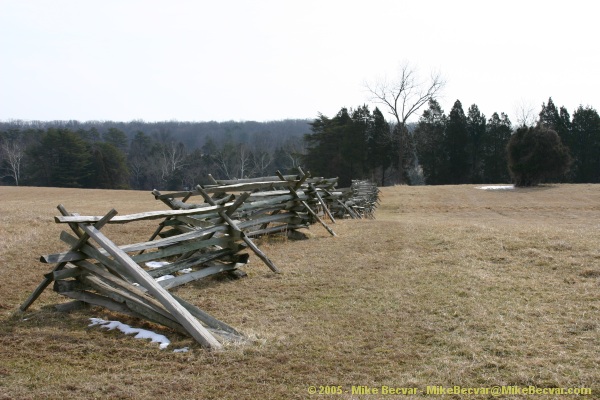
x,y
585,145
380,146
117,138
324,146
429,138
344,145
549,116
60,159
498,133
108,167
556,119
456,144
476,132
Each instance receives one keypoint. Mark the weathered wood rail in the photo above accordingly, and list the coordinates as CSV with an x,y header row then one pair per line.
x,y
364,198
117,277
276,204
193,240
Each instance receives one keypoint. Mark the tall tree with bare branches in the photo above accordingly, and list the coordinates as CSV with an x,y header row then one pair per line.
x,y
13,152
403,97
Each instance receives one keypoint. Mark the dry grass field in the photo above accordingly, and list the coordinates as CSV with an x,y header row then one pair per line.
x,y
450,285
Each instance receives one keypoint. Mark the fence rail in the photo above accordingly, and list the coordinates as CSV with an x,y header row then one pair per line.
x,y
193,240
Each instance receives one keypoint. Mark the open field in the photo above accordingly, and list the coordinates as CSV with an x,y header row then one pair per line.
x,y
450,285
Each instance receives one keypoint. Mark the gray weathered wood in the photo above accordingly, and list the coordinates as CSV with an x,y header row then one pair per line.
x,y
49,277
325,208
150,215
191,262
160,243
181,314
95,253
66,273
193,276
310,211
246,239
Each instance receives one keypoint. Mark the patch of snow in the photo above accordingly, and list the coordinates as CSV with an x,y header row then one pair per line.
x,y
162,278
156,264
182,350
501,187
128,330
185,271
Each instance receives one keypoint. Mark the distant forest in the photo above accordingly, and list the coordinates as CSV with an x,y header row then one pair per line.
x,y
167,155
455,148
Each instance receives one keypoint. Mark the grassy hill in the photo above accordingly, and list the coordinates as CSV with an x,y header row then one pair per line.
x,y
450,285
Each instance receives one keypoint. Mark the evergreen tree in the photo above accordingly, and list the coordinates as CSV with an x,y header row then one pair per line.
x,y
140,161
60,159
406,147
324,155
108,167
355,143
558,120
476,131
340,146
117,138
536,155
90,135
585,145
457,144
380,146
563,126
498,133
429,137
549,116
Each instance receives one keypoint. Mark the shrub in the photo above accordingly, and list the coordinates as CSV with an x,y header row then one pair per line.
x,y
535,155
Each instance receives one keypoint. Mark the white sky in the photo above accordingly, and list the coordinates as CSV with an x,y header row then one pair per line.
x,y
264,60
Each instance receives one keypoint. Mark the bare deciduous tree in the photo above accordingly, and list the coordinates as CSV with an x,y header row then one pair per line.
x,y
407,94
13,152
261,160
294,150
244,156
525,114
173,158
403,97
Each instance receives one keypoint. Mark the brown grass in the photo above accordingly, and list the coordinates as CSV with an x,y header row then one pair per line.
x,y
448,286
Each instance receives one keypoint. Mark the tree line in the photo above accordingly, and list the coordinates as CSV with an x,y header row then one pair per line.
x,y
455,148
100,155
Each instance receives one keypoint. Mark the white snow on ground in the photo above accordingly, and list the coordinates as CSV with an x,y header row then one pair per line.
x,y
504,187
156,264
126,329
182,350
162,278
140,333
143,333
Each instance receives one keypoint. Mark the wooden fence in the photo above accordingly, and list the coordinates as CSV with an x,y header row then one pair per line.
x,y
193,240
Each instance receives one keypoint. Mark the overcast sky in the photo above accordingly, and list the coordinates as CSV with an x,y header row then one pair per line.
x,y
270,60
